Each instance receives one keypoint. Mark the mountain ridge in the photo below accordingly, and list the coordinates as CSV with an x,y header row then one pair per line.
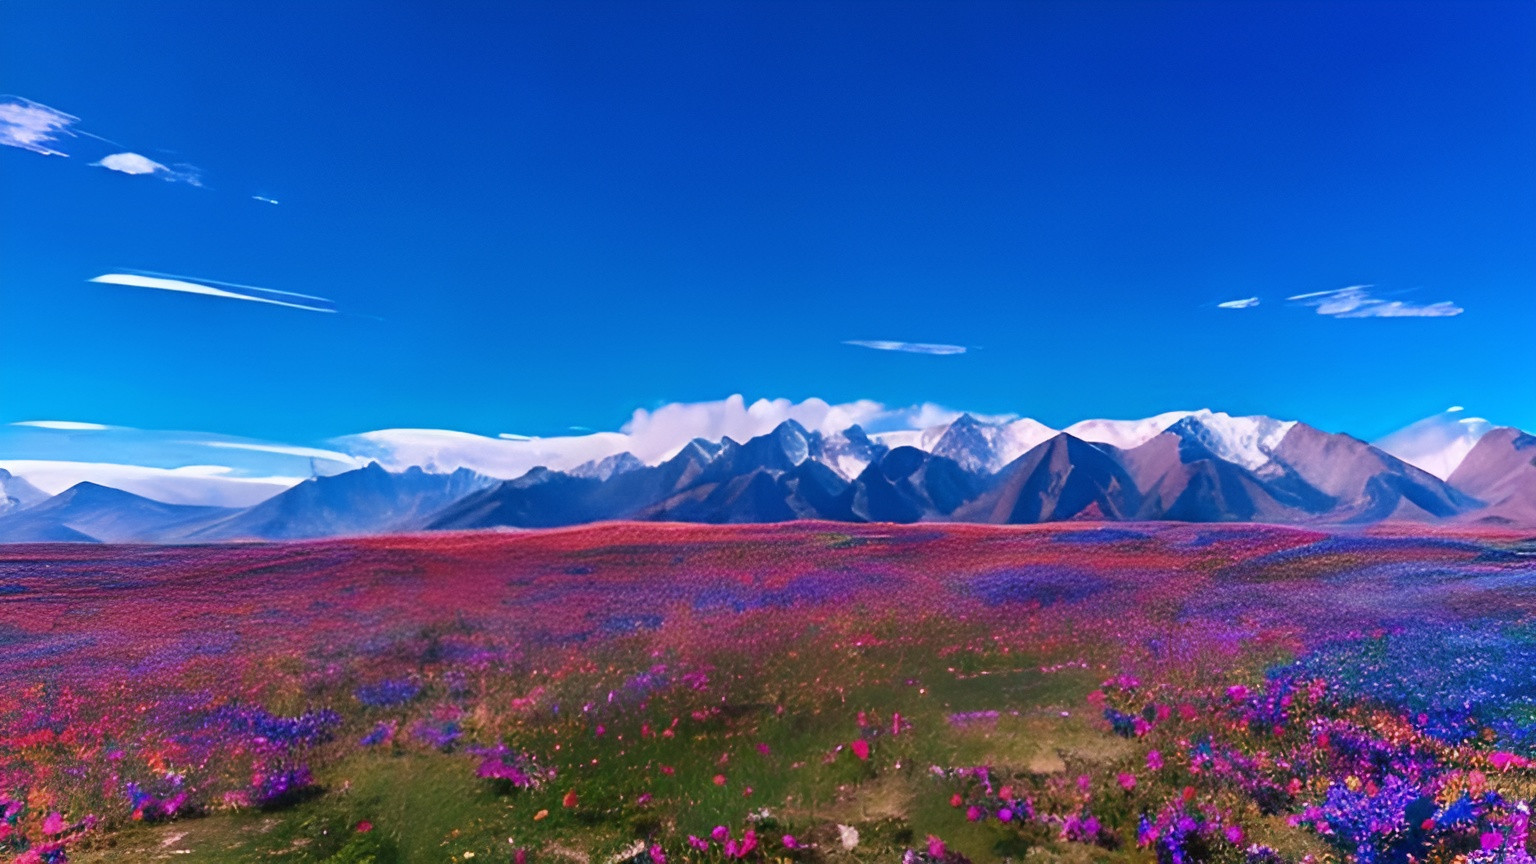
x,y
1197,466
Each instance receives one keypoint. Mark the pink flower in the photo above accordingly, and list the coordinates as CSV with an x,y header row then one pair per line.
x,y
1491,841
719,779
973,813
657,855
720,833
54,824
860,748
1005,815
895,724
1154,760
1234,835
364,827
1127,781
1502,761
790,842
935,846
763,748
695,842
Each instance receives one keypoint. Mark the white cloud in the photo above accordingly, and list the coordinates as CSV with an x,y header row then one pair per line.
x,y
265,200
444,450
189,484
907,347
1245,303
139,165
1356,301
32,125
63,425
653,436
186,286
284,450
130,163
1437,444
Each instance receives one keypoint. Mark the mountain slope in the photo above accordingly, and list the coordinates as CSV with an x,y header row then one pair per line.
x,y
1500,470
1063,478
87,511
16,492
1182,478
1367,484
368,500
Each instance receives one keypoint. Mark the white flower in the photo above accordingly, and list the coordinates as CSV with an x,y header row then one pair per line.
x,y
849,835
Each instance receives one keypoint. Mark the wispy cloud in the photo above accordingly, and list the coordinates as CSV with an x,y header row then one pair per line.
x,y
1245,303
63,425
907,347
33,125
1357,301
212,288
41,129
281,449
265,200
139,165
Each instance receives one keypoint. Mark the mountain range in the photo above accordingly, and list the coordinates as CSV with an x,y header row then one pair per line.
x,y
1198,466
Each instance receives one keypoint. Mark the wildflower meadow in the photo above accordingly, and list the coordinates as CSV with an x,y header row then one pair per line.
x,y
795,693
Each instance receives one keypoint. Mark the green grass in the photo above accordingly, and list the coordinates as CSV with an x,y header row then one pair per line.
x,y
429,806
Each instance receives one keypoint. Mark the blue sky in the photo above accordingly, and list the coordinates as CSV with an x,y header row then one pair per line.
x,y
536,216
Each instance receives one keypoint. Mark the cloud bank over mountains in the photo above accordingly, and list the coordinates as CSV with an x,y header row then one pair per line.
x,y
221,470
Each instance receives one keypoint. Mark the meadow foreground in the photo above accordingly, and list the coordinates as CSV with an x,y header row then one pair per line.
x,y
804,692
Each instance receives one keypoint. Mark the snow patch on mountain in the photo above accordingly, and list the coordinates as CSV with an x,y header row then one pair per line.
x,y
1125,434
1246,441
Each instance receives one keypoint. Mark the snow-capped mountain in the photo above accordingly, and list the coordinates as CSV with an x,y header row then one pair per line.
x,y
16,493
918,464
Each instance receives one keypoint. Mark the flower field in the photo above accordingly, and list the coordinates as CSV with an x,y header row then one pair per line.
x,y
803,692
